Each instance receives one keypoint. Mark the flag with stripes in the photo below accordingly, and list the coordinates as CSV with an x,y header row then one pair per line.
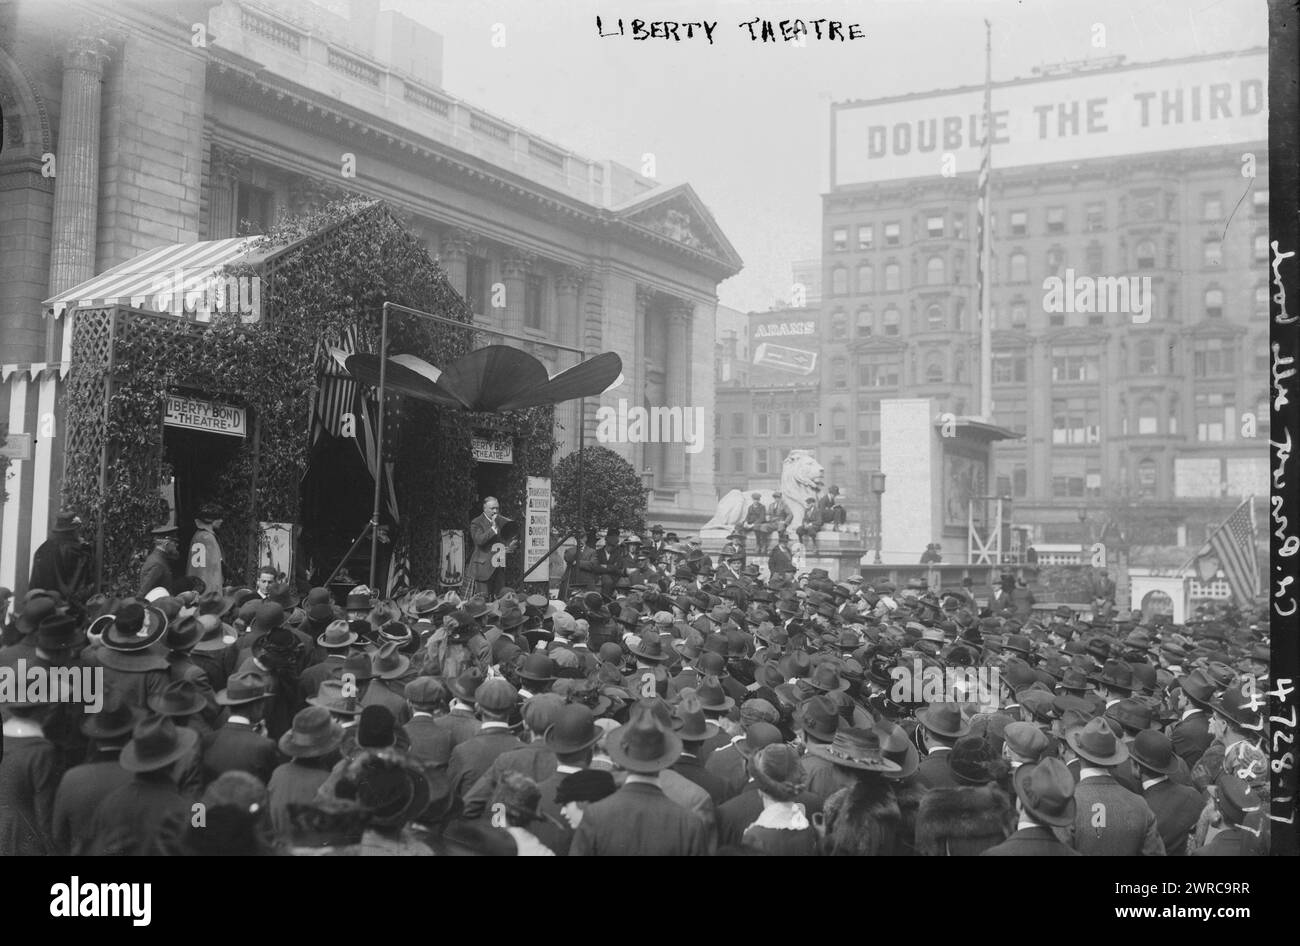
x,y
982,199
1233,545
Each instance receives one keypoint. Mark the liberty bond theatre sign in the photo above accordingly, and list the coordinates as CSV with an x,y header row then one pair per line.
x,y
1122,111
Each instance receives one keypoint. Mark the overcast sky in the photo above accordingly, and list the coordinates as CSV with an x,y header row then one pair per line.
x,y
747,124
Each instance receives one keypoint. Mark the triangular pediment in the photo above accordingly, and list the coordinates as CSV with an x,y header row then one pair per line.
x,y
678,215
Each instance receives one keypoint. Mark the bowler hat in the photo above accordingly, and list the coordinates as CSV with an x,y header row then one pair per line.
x,y
573,730
156,743
1046,790
358,602
183,634
1095,742
538,668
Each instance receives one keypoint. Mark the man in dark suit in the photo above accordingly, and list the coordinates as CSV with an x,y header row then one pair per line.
x,y
1191,734
572,738
127,820
159,568
1177,807
639,819
942,726
610,565
484,562
1236,802
430,743
240,744
496,700
1127,827
584,577
781,561
83,787
694,731
534,759
1045,798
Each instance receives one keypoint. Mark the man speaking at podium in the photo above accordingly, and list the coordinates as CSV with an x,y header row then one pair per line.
x,y
494,537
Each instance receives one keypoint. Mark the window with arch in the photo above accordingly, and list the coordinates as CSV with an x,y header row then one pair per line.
x,y
934,320
866,322
934,271
1146,477
839,424
866,278
839,281
1146,357
934,370
839,325
1019,269
893,277
1146,254
1055,259
892,319
1148,421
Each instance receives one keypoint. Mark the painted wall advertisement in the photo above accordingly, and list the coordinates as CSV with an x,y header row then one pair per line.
x,y
537,528
785,350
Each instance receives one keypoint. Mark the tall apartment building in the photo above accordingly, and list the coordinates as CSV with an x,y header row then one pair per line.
x,y
1153,416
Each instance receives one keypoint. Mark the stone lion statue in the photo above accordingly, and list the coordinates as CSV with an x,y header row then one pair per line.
x,y
801,477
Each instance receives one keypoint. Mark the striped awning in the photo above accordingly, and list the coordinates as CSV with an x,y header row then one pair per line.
x,y
172,278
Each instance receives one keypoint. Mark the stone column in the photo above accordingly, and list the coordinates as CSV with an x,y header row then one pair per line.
x,y
568,288
645,298
76,183
677,381
515,268
453,253
223,179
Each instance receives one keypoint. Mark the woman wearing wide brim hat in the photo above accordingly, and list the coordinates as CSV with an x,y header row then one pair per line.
x,y
134,628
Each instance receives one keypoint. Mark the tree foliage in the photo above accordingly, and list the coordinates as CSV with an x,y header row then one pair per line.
x,y
612,496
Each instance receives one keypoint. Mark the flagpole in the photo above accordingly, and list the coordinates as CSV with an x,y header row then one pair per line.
x,y
986,291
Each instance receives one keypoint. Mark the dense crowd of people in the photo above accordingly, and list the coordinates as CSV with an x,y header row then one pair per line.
x,y
661,706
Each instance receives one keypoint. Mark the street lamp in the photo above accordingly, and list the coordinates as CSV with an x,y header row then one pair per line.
x,y
877,482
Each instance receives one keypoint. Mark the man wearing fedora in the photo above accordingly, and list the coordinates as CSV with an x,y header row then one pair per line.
x,y
1110,820
128,819
62,562
496,700
639,819
1235,727
571,737
1177,807
337,641
533,759
1235,803
694,729
1044,800
240,744
312,746
941,725
430,742
1191,735
159,568
84,786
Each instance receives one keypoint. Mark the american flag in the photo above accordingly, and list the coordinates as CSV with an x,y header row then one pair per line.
x,y
338,392
1233,544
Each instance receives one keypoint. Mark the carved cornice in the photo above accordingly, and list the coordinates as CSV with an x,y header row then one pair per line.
x,y
517,264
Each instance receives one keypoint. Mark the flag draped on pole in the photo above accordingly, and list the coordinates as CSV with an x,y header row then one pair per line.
x,y
1233,545
983,276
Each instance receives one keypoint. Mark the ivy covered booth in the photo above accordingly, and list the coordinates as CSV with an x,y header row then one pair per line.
x,y
202,375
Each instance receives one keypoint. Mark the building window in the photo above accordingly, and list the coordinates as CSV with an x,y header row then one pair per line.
x,y
760,460
1211,207
1019,267
869,423
1055,259
1069,477
762,425
1146,477
1261,247
785,424
866,279
1055,219
892,277
1076,420
1013,415
808,420
866,323
839,239
738,424
1075,363
534,299
253,207
1094,257
934,271
934,370
1019,314
1214,303
1019,223
839,422
1095,217
1213,357
893,234
1212,252
866,236
1146,357
1146,255
839,373
1148,423
738,460
878,371
839,325
478,280
934,320
1214,416
934,226
839,281
892,319
1008,367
